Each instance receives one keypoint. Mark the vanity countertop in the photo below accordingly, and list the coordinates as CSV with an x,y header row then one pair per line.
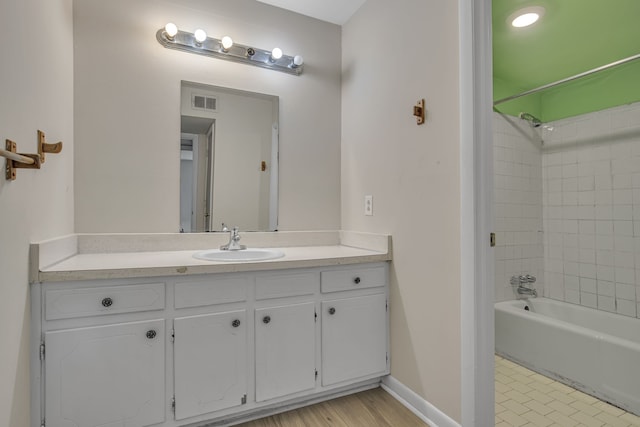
x,y
90,257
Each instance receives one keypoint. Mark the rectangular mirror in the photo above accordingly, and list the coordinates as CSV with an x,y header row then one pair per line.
x,y
228,159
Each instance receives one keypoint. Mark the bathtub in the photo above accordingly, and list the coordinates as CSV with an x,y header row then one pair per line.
x,y
591,350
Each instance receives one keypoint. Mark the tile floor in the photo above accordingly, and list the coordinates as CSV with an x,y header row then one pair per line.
x,y
527,399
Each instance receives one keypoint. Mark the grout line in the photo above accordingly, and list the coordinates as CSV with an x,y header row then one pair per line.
x,y
548,402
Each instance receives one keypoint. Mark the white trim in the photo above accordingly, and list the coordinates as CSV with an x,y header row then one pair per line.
x,y
273,177
416,404
194,166
36,365
476,198
467,216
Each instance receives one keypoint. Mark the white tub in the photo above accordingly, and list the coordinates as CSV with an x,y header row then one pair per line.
x,y
594,351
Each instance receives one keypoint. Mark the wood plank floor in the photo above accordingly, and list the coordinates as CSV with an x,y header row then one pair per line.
x,y
371,408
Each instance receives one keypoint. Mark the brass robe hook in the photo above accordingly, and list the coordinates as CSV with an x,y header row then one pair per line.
x,y
17,160
44,147
418,111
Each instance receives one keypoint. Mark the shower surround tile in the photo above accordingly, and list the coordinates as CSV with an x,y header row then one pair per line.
x,y
602,150
518,203
581,185
625,307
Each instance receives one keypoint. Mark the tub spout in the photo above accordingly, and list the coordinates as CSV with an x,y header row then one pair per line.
x,y
523,282
523,290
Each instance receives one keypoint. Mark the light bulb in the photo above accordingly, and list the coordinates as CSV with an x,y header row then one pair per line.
x,y
526,16
276,53
171,30
200,35
525,20
227,42
297,61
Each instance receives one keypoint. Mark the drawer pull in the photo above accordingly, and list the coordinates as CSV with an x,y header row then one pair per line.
x,y
356,280
107,302
266,319
235,323
151,334
332,311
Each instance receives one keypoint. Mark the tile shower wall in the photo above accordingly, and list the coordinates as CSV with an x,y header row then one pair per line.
x,y
591,199
518,204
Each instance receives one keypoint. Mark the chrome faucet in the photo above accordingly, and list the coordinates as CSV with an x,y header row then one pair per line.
x,y
234,240
523,290
521,281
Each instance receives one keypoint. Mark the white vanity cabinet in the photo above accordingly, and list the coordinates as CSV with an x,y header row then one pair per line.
x,y
210,350
210,353
105,375
354,338
352,343
195,349
285,350
285,333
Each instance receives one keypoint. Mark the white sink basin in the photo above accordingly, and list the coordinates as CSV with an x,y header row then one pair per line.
x,y
244,255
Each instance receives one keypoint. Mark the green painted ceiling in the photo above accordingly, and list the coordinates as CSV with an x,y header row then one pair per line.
x,y
573,36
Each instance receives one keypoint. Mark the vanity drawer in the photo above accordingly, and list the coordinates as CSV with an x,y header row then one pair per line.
x,y
353,278
286,285
69,303
212,291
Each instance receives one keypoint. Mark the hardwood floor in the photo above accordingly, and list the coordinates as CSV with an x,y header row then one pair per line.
x,y
371,408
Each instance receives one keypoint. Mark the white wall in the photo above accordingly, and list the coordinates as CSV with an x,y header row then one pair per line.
x,y
395,53
37,93
517,167
592,210
127,115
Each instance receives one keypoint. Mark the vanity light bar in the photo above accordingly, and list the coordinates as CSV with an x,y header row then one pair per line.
x,y
172,38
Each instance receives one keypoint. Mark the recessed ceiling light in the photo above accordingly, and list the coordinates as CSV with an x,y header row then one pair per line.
x,y
525,17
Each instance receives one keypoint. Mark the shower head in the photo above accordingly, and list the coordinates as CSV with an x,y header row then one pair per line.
x,y
535,122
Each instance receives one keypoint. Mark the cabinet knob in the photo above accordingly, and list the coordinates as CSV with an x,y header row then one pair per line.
x,y
332,310
107,302
356,280
266,319
235,323
151,334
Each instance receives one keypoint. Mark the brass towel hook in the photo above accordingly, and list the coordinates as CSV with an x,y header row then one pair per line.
x,y
44,147
418,111
17,160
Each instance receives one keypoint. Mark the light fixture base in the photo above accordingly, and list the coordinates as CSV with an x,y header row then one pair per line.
x,y
212,47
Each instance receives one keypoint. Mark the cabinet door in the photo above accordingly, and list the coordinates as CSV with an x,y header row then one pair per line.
x,y
105,376
354,338
285,350
210,362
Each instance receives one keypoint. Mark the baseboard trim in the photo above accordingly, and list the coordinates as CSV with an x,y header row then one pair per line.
x,y
416,404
